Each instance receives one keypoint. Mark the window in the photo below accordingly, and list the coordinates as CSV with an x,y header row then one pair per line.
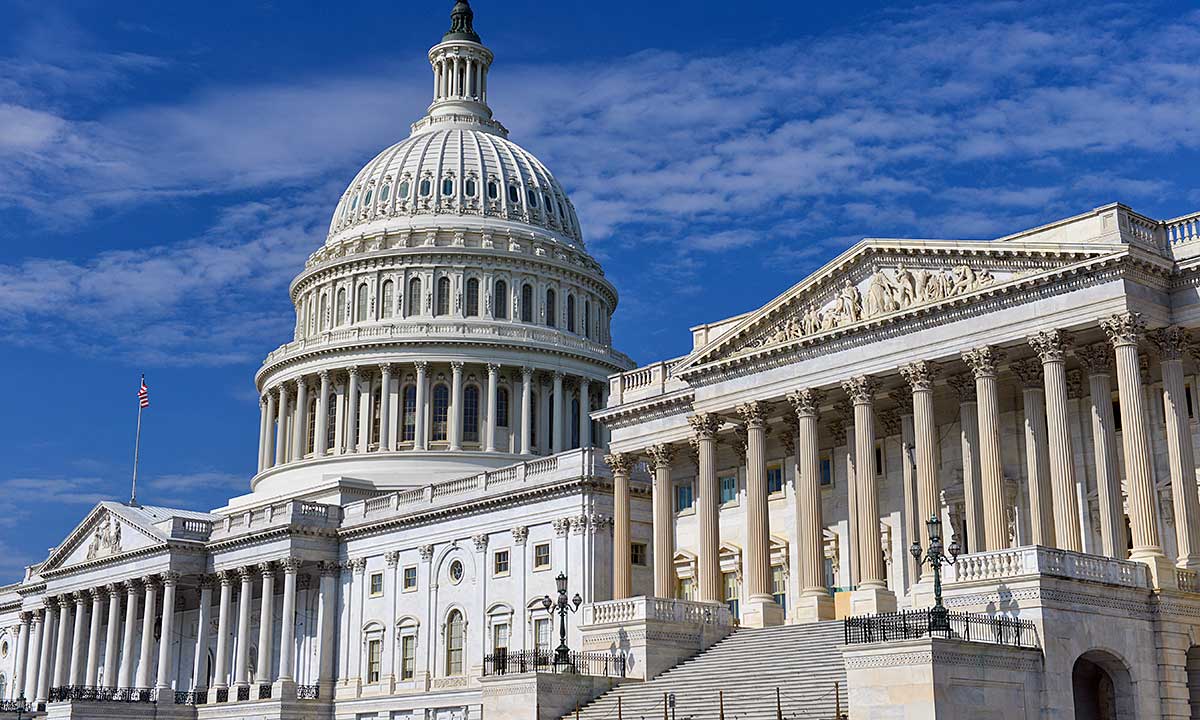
x,y
385,192
729,582
502,407
410,414
527,303
500,637
404,188
683,497
339,310
443,296
541,556
1116,414
1187,396
532,196
774,478
376,412
500,563
377,584
779,587
826,471
367,199
448,187
574,422
879,459
426,188
441,411
637,554
472,309
360,309
414,297
456,572
321,320
454,643
410,578
514,195
374,660
493,188
541,635
500,300
570,313
470,412
408,657
388,299
551,308
587,319
310,426
729,489
685,589
469,187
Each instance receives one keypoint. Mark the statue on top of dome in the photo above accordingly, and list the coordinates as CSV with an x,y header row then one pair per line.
x,y
462,21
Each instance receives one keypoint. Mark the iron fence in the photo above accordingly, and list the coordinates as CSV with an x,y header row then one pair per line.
x,y
87,693
222,695
308,692
264,691
940,623
243,693
199,696
14,706
593,664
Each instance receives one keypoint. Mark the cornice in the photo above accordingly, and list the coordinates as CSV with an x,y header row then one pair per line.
x,y
167,548
653,408
269,534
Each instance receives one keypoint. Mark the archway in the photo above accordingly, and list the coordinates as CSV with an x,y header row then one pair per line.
x,y
1101,687
1193,680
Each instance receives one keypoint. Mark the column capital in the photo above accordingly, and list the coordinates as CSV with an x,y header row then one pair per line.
x,y
456,366
385,368
861,389
661,455
113,588
705,425
151,582
226,577
557,375
806,402
1098,358
1170,342
323,375
358,565
919,375
421,365
266,568
493,368
619,463
291,565
1050,345
328,569
246,573
754,414
26,617
983,360
392,558
352,371
1029,371
81,596
426,552
206,582
527,373
480,541
132,586
1124,328
169,578
520,534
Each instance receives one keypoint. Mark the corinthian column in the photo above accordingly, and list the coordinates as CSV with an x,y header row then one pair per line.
x,y
814,603
493,384
166,631
281,442
1050,347
321,441
761,610
78,661
556,429
861,391
1171,343
62,654
968,422
385,407
920,377
352,410
93,651
456,405
18,678
269,448
199,680
242,659
264,424
33,657
422,405
1125,331
148,612
125,679
708,505
526,410
1037,451
621,465
46,669
664,522
585,413
221,669
287,639
300,431
112,635
266,623
983,364
1098,360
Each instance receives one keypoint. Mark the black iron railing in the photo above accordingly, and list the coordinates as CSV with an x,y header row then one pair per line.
x,y
243,693
87,693
264,691
222,695
940,623
308,692
15,706
199,696
579,663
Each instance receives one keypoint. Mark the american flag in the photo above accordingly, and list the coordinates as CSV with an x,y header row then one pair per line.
x,y
144,395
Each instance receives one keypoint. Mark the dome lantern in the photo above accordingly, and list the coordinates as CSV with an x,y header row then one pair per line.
x,y
460,72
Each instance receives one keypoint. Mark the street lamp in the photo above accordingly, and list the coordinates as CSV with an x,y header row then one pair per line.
x,y
562,654
936,556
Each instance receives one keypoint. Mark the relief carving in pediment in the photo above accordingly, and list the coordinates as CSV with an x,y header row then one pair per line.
x,y
106,539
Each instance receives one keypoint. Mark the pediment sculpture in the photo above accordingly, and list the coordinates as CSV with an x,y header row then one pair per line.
x,y
106,539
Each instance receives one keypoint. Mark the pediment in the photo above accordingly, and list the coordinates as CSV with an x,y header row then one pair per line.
x,y
882,281
110,530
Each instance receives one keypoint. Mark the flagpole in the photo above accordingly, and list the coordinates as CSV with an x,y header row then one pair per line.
x,y
137,443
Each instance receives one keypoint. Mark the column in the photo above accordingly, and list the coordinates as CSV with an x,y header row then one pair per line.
x,y
585,413
300,430
287,635
166,630
708,506
1050,347
93,651
968,422
456,405
422,404
125,679
842,429
199,678
1097,359
112,650
920,377
352,410
221,664
78,661
493,385
1125,331
148,612
22,658
264,423
982,362
662,500
872,594
269,446
33,657
1171,343
245,597
910,517
321,442
621,464
526,410
326,620
46,665
385,407
62,653
1037,451
814,603
761,610
281,440
559,401
266,623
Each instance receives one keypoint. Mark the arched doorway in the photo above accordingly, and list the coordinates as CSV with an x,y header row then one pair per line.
x,y
1193,680
1101,687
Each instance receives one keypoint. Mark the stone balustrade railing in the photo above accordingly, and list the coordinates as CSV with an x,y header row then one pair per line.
x,y
643,382
1034,560
1187,580
190,528
292,512
656,609
1183,229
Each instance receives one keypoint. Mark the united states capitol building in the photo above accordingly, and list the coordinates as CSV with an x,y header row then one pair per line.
x,y
741,532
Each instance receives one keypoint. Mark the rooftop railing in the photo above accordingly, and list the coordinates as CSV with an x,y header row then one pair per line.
x,y
291,512
1038,560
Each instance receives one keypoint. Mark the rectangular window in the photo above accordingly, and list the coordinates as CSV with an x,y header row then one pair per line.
x,y
374,660
826,471
408,657
541,556
500,563
879,459
470,414
683,497
774,478
686,589
541,635
637,554
729,489
1116,415
502,407
377,584
779,587
410,414
410,577
729,581
1187,395
499,637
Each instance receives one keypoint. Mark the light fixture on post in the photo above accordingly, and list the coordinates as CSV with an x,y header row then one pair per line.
x,y
937,555
562,654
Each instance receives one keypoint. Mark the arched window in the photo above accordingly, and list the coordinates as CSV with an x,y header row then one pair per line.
x,y
551,308
441,411
473,297
376,406
533,420
414,297
527,303
500,300
443,296
322,317
312,425
360,313
331,422
410,414
502,407
388,299
470,413
575,423
454,643
587,319
339,310
570,313
552,431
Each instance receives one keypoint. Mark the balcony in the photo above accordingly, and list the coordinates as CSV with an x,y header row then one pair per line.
x,y
293,513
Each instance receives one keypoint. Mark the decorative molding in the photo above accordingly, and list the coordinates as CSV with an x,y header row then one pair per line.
x,y
1124,328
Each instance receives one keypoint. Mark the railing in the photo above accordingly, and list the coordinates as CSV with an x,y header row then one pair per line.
x,y
644,382
222,695
308,692
1187,580
1183,229
199,696
243,693
940,623
593,664
292,512
660,609
15,706
264,691
87,693
1035,559
191,528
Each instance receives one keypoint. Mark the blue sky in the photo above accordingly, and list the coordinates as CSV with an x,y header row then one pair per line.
x,y
165,169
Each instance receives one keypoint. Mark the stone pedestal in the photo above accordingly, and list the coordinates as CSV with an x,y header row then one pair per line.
x,y
872,601
762,612
814,608
536,696
921,595
1163,575
654,634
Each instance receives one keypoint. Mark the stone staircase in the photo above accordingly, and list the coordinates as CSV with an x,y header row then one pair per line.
x,y
803,661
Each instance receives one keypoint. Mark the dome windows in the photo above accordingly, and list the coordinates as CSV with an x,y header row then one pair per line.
x,y
403,190
514,194
469,187
448,186
367,199
500,302
493,190
426,188
532,199
385,192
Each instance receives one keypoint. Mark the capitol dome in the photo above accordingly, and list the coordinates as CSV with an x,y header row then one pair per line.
x,y
453,320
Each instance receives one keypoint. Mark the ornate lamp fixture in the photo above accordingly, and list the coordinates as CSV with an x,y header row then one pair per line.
x,y
936,557
562,654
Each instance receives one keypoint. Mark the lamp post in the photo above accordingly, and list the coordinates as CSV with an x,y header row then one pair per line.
x,y
562,654
936,556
